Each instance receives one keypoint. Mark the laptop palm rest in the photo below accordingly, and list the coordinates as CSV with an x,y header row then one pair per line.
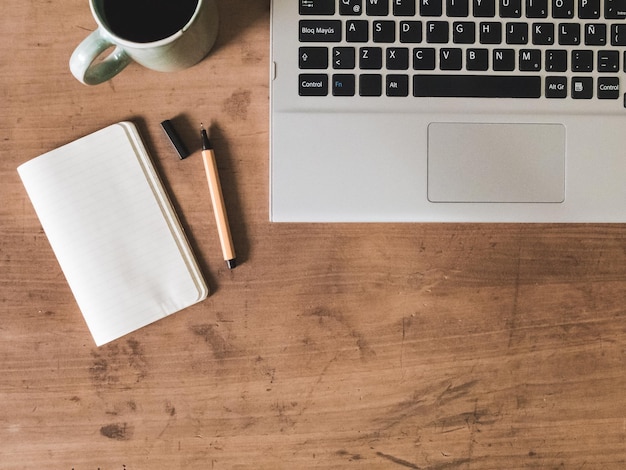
x,y
479,162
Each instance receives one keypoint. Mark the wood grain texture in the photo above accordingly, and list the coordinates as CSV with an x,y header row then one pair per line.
x,y
331,346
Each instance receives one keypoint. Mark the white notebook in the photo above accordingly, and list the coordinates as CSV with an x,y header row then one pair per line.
x,y
114,231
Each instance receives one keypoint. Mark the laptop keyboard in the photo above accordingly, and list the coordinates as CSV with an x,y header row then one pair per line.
x,y
552,49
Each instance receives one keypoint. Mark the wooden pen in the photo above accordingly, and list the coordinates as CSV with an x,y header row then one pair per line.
x,y
217,199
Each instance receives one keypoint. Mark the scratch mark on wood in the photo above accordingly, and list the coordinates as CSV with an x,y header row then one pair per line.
x,y
351,457
309,397
402,343
514,311
170,409
396,460
453,393
325,315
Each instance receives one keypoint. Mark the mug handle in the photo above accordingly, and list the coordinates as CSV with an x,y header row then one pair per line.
x,y
82,61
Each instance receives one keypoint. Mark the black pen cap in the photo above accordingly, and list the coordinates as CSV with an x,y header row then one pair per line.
x,y
175,139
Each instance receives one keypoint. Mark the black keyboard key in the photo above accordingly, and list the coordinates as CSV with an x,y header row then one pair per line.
x,y
343,84
384,31
450,59
377,7
370,85
543,34
588,9
608,61
556,87
404,7
582,60
530,60
595,34
397,85
484,8
477,59
357,31
411,31
430,7
615,9
490,32
320,30
463,32
517,33
351,7
510,8
437,32
563,8
317,7
536,8
313,84
424,58
504,60
344,58
397,58
582,88
477,86
457,8
608,88
371,58
618,34
569,34
556,60
313,57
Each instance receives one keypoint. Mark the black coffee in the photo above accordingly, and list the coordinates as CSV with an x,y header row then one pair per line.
x,y
147,20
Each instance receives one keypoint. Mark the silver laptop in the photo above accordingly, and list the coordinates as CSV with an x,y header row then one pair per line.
x,y
448,110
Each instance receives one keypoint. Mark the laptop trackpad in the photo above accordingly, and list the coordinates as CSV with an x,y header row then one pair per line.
x,y
474,162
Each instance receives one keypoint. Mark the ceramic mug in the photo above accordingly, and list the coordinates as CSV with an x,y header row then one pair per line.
x,y
162,35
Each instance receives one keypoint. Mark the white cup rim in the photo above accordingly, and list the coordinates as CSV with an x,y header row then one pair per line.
x,y
141,45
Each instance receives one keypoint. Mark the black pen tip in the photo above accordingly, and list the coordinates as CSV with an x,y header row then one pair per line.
x,y
206,143
231,263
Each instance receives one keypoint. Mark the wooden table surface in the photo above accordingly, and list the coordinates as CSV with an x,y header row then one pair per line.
x,y
421,346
